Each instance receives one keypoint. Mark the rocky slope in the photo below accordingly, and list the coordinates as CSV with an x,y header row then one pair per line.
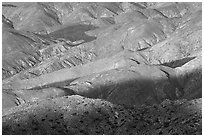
x,y
78,115
108,68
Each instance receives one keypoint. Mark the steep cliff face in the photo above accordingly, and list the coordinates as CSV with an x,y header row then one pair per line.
x,y
129,54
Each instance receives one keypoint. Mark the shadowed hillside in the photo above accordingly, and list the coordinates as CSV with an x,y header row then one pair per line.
x,y
101,68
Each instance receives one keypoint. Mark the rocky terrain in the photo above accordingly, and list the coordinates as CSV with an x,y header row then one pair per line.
x,y
101,68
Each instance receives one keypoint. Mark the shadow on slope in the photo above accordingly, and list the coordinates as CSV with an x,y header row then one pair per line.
x,y
73,33
81,116
179,62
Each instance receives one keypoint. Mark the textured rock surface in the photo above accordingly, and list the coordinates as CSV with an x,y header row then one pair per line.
x,y
60,59
190,77
130,85
78,115
67,75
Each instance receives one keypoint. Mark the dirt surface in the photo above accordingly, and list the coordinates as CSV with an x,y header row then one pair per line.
x,y
79,115
102,68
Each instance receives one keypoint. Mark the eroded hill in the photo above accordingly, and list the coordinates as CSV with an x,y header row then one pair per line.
x,y
102,68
